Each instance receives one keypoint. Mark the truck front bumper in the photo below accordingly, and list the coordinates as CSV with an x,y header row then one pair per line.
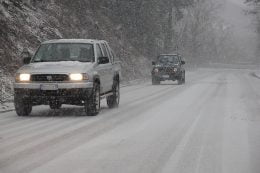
x,y
66,93
59,85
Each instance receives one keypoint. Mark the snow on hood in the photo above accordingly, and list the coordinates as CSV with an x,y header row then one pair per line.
x,y
56,67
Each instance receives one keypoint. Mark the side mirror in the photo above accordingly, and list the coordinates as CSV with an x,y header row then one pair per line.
x,y
27,60
103,60
182,62
153,63
26,56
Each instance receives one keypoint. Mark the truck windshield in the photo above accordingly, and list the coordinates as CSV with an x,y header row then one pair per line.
x,y
165,59
54,52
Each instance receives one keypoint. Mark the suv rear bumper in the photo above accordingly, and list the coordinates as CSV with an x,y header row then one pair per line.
x,y
166,76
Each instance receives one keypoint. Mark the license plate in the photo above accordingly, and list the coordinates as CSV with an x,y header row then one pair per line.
x,y
49,87
165,76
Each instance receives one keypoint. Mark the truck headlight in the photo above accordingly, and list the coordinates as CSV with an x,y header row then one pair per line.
x,y
24,77
78,77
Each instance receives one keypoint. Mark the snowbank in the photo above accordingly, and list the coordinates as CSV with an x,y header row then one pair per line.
x,y
6,107
38,21
257,74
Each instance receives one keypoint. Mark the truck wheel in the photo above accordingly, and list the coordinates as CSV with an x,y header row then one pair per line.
x,y
155,81
92,105
55,105
23,107
113,100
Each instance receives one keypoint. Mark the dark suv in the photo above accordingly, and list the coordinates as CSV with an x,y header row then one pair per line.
x,y
168,67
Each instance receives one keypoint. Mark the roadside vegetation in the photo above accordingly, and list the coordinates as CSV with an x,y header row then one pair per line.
x,y
137,30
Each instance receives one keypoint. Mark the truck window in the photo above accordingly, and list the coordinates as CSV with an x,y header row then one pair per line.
x,y
99,52
113,56
104,50
109,53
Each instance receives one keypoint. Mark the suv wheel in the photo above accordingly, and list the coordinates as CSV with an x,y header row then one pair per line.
x,y
183,78
23,107
179,81
113,100
155,81
92,105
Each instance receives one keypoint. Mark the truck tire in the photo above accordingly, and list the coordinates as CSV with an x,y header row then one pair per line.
x,y
155,81
92,104
55,105
113,100
23,106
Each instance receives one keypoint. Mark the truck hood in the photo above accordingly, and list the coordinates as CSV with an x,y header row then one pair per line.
x,y
56,67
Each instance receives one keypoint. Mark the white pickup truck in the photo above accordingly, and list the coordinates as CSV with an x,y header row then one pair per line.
x,y
68,71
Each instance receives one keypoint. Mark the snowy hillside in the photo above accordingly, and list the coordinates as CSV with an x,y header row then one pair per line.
x,y
28,23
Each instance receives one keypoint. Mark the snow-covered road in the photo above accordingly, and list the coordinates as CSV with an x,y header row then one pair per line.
x,y
209,125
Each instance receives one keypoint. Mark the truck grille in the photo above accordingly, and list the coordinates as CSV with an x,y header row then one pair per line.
x,y
49,77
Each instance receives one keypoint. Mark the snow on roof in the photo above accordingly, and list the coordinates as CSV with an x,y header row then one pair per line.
x,y
73,41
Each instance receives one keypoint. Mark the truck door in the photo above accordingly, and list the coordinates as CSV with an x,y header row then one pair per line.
x,y
108,70
111,69
101,70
